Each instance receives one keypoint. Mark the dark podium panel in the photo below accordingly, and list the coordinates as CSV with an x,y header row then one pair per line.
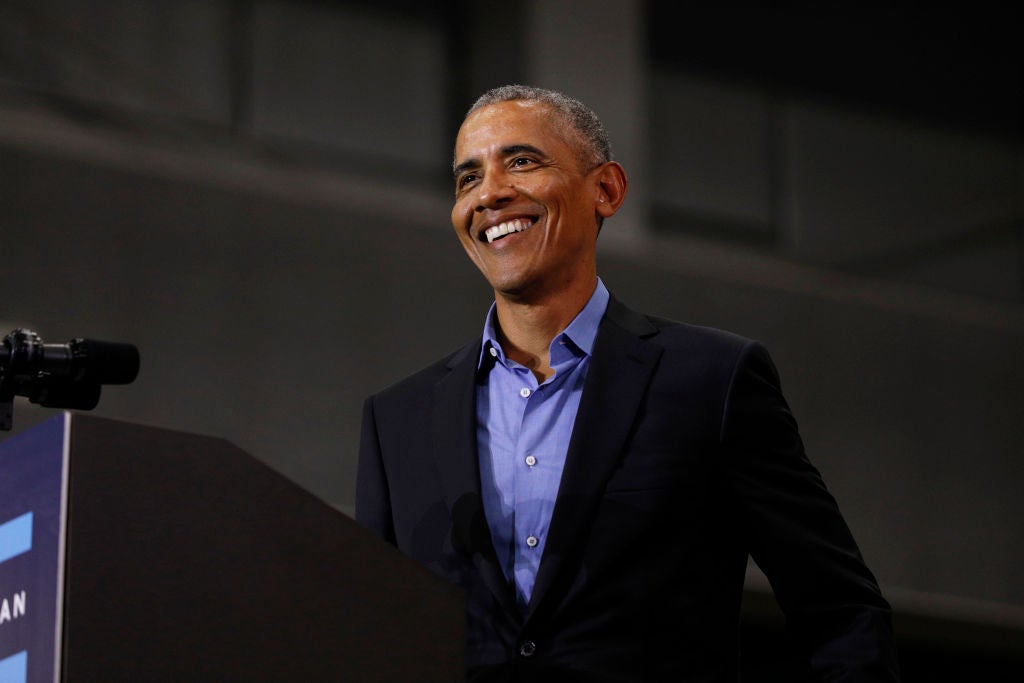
x,y
186,559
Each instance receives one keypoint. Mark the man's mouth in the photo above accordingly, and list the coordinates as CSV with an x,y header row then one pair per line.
x,y
496,232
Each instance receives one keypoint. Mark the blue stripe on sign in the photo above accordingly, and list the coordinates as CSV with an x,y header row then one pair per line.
x,y
14,669
16,537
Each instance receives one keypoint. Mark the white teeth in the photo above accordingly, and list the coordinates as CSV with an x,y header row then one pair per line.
x,y
516,225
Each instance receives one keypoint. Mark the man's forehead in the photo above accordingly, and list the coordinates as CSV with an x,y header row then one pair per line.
x,y
507,127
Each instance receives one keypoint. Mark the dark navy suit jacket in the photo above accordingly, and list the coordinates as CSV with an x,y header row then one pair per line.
x,y
684,460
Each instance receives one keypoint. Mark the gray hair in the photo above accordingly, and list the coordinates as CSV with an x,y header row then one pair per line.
x,y
592,138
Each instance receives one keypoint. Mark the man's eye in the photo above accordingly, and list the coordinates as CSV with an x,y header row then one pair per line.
x,y
465,180
519,162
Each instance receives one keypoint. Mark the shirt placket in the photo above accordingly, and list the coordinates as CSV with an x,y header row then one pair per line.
x,y
528,536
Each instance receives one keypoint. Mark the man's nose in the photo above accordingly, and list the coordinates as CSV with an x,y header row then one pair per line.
x,y
495,189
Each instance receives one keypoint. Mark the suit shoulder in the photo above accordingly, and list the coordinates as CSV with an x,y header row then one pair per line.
x,y
696,343
711,352
713,348
672,333
675,331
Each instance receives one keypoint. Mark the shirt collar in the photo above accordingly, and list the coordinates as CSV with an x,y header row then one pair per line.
x,y
582,331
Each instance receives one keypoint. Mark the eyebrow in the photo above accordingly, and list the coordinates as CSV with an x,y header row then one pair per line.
x,y
511,150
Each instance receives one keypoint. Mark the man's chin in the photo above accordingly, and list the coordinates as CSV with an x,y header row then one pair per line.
x,y
511,287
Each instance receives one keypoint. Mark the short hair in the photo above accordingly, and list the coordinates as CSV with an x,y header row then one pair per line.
x,y
591,136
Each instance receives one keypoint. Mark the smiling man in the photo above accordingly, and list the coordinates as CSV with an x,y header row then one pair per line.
x,y
594,478
529,196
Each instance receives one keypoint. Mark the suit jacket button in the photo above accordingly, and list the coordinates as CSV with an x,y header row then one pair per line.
x,y
528,648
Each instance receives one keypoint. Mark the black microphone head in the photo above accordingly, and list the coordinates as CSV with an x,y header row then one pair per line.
x,y
106,362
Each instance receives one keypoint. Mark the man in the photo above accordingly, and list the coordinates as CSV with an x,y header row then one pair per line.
x,y
592,477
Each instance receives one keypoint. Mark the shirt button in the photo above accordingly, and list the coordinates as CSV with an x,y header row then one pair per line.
x,y
531,461
532,541
528,648
524,392
494,351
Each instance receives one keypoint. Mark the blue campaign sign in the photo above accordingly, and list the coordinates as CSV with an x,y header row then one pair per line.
x,y
32,483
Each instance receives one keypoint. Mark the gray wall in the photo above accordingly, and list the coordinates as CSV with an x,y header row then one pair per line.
x,y
255,195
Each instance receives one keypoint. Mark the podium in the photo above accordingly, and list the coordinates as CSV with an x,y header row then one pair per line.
x,y
131,553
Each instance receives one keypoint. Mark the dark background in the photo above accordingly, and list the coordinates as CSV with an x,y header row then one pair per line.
x,y
256,193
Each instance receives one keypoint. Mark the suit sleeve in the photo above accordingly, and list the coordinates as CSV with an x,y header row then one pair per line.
x,y
797,535
373,499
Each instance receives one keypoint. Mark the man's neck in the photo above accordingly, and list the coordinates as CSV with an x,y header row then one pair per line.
x,y
525,327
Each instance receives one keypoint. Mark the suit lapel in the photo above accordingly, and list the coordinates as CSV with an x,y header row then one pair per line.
x,y
455,452
454,427
619,373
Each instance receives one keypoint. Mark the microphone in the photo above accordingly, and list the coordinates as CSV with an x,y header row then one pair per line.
x,y
60,375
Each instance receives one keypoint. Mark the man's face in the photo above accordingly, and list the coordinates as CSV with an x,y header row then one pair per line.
x,y
524,207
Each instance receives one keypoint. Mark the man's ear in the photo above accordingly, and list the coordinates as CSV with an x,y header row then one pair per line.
x,y
611,187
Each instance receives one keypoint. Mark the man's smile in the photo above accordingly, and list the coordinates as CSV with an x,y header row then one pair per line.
x,y
496,232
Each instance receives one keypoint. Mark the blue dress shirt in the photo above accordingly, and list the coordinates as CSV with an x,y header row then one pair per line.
x,y
523,432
